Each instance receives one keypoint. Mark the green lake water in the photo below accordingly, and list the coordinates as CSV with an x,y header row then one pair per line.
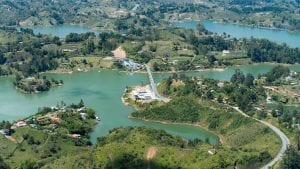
x,y
238,31
102,90
61,30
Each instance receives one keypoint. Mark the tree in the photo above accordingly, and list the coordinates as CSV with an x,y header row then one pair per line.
x,y
201,28
220,99
211,59
238,77
276,73
3,165
73,37
2,59
249,80
89,47
291,159
30,140
81,103
28,164
298,139
91,113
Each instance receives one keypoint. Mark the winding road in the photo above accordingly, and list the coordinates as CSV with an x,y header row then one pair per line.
x,y
284,140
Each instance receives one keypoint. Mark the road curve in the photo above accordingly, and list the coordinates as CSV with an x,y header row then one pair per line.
x,y
284,140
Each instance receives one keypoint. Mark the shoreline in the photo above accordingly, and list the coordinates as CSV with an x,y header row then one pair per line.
x,y
216,69
98,30
238,24
221,138
220,69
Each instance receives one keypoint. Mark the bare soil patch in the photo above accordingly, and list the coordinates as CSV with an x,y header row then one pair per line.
x,y
119,53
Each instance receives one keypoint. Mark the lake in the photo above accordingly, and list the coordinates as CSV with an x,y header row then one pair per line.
x,y
102,91
61,30
239,31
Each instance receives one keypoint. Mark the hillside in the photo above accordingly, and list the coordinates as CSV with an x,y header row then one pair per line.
x,y
273,14
49,137
237,132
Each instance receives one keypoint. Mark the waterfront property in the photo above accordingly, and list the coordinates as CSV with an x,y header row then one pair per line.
x,y
21,123
144,95
141,93
130,64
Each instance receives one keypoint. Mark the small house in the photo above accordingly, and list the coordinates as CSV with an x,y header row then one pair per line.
x,y
83,115
212,151
220,84
81,109
226,52
130,64
97,118
143,96
21,123
76,135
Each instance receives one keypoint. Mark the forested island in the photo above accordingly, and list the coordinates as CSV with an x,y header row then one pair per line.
x,y
35,84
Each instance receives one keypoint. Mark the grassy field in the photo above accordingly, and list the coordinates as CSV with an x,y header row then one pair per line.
x,y
141,147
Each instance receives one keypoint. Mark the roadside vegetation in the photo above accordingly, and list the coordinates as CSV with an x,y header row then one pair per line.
x,y
192,99
191,103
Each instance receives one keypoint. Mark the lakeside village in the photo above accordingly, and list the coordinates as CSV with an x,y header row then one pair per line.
x,y
50,119
134,66
284,90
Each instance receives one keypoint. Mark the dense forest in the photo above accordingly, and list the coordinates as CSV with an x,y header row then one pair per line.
x,y
241,91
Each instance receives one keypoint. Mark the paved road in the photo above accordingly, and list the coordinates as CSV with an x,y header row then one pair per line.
x,y
284,140
153,86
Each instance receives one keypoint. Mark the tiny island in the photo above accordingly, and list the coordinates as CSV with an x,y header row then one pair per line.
x,y
35,84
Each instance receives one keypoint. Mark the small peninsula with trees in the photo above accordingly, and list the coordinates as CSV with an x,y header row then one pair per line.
x,y
192,97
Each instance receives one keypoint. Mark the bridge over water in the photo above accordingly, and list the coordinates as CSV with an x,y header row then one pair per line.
x,y
153,86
